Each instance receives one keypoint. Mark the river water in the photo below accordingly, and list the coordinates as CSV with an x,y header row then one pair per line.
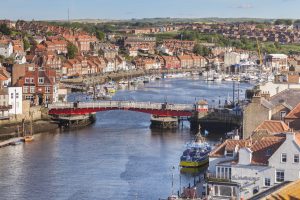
x,y
118,157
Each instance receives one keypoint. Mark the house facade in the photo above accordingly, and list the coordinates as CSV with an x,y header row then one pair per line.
x,y
4,104
6,48
277,62
241,169
15,100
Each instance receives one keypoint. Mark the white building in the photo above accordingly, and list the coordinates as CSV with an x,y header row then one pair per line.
x,y
6,48
277,62
275,88
110,65
162,48
121,64
15,100
4,105
242,168
231,58
20,59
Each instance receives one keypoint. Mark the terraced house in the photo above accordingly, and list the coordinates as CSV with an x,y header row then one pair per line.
x,y
38,84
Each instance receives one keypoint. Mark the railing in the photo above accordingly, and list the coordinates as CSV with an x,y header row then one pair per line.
x,y
214,178
123,105
5,108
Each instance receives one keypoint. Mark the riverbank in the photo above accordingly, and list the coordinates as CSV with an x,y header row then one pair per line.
x,y
116,76
14,130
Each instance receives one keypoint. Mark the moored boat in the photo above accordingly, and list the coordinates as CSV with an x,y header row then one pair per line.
x,y
28,138
196,154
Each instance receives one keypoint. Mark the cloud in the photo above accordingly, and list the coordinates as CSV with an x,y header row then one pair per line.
x,y
244,6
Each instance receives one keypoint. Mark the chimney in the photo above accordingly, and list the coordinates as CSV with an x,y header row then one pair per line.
x,y
266,95
256,99
290,136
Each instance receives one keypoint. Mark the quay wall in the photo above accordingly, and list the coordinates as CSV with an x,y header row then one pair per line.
x,y
103,78
34,113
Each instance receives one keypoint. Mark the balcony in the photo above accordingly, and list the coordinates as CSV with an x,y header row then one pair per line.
x,y
213,178
5,108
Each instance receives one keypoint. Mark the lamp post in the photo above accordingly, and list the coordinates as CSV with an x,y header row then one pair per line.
x,y
15,103
173,168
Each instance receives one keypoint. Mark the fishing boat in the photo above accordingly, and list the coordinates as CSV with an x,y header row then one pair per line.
x,y
103,96
146,79
123,82
28,138
196,153
210,78
227,78
110,89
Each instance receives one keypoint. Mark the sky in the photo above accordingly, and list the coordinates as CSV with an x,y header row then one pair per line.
x,y
128,9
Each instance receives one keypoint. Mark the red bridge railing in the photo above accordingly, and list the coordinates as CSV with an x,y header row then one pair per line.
x,y
164,109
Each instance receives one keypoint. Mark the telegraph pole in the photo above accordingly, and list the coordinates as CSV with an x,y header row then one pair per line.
x,y
233,93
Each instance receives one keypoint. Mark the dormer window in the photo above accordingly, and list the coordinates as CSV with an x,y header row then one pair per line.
x,y
229,153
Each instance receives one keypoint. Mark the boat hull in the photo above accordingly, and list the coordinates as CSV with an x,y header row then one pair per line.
x,y
193,164
28,138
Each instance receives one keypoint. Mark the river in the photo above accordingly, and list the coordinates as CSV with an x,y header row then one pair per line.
x,y
118,157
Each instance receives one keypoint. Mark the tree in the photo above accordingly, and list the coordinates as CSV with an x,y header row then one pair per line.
x,y
277,45
4,29
201,50
283,22
26,44
100,35
72,50
1,59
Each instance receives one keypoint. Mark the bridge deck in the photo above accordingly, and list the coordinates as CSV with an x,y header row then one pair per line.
x,y
123,104
163,109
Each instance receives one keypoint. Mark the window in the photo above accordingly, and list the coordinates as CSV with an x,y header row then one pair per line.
x,y
229,153
255,190
223,172
31,80
216,190
225,191
17,95
283,158
32,89
267,182
296,158
25,89
47,100
41,80
11,95
29,97
282,115
47,90
27,80
279,176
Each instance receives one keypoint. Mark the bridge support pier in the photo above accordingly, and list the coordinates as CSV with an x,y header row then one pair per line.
x,y
159,122
78,121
